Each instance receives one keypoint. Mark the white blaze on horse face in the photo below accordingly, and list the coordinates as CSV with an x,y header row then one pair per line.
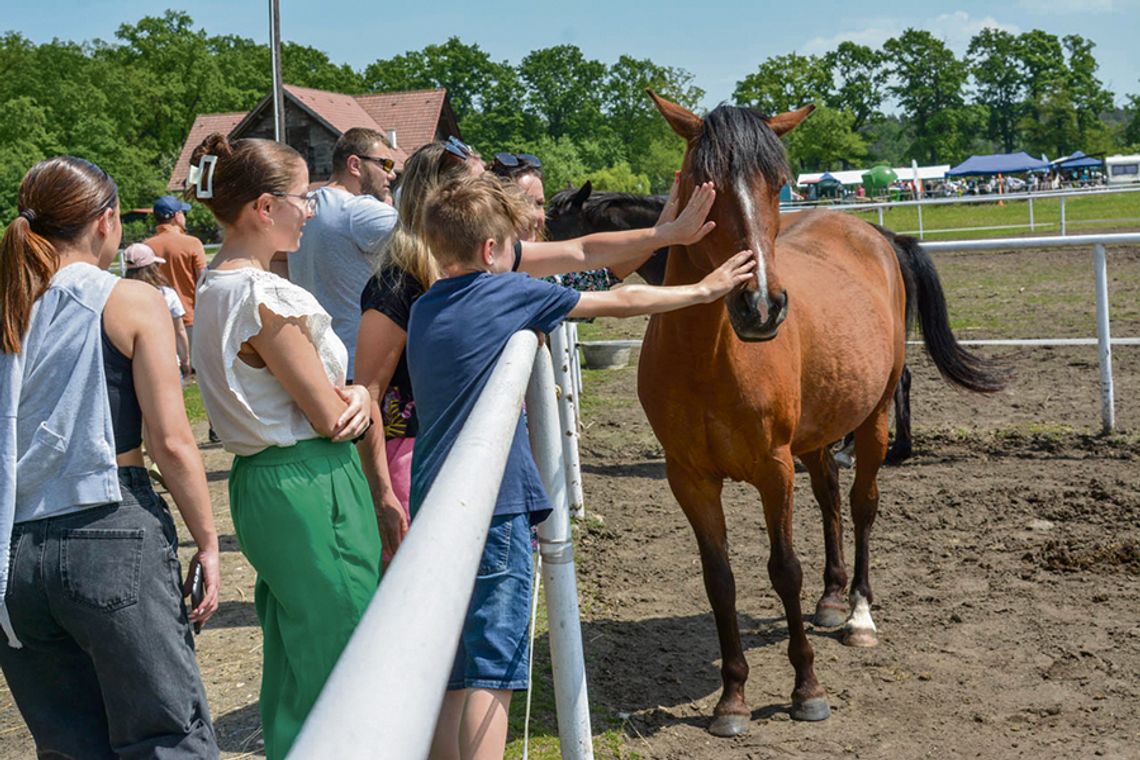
x,y
748,209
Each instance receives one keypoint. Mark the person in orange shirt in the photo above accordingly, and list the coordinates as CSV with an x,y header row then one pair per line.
x,y
185,258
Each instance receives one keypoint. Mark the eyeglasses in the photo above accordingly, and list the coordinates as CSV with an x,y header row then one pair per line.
x,y
457,148
309,199
386,164
518,160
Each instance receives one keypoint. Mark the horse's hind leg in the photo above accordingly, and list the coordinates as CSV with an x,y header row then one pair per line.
x,y
902,448
870,449
776,484
700,500
832,608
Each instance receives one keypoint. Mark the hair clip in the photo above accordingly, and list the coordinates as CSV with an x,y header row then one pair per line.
x,y
204,170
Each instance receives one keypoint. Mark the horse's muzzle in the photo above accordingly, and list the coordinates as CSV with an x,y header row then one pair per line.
x,y
749,323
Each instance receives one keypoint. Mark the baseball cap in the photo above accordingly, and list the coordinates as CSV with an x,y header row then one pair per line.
x,y
139,255
167,206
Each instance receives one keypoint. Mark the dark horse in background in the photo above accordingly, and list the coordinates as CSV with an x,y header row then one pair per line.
x,y
807,351
574,212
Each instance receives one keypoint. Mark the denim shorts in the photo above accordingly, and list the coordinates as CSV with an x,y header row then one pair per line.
x,y
494,647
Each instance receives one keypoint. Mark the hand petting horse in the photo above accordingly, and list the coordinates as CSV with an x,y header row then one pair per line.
x,y
575,212
808,350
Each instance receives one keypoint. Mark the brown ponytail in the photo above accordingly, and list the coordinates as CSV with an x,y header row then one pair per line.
x,y
58,197
244,170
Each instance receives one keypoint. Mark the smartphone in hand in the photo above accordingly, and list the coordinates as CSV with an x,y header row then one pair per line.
x,y
197,593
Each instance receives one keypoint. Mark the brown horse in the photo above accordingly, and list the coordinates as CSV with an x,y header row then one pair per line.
x,y
810,350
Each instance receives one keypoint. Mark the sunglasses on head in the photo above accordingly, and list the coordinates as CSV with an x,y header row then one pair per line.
x,y
517,160
456,147
386,164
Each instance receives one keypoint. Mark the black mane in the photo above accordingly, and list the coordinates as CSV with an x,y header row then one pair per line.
x,y
737,142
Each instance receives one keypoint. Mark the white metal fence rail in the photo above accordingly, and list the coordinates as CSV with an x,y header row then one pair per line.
x,y
384,694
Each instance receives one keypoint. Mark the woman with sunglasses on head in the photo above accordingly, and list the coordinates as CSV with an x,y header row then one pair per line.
x,y
98,653
271,371
410,269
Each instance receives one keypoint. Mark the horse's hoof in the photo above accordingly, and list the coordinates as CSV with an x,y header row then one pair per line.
x,y
729,725
830,615
811,709
860,637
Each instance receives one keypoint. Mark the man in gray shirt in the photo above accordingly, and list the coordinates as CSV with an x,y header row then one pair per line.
x,y
340,245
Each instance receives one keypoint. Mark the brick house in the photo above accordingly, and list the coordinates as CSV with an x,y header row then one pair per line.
x,y
314,119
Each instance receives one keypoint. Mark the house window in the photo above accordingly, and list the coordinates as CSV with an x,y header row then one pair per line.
x,y
1121,170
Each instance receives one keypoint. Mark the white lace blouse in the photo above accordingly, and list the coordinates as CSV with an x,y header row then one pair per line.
x,y
248,408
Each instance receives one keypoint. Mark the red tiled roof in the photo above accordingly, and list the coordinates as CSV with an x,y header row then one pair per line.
x,y
414,115
205,125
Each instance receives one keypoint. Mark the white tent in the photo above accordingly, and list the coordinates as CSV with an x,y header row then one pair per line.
x,y
855,176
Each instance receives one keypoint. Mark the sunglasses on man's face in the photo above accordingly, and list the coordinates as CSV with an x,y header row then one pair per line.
x,y
516,160
386,164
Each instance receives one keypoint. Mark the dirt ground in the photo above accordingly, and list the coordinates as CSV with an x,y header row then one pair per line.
x,y
1005,563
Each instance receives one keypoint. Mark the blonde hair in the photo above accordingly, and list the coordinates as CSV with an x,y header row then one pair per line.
x,y
460,215
406,249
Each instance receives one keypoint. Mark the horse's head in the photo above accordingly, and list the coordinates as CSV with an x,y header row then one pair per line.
x,y
564,215
740,151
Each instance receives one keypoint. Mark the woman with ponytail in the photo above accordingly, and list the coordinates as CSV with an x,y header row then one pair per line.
x,y
98,651
272,374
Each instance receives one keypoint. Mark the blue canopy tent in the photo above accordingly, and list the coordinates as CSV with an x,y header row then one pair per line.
x,y
998,163
828,186
1079,160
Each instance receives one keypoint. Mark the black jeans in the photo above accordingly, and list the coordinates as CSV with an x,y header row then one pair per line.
x,y
107,668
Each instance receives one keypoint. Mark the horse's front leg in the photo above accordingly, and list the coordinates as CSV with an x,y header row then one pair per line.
x,y
699,497
776,483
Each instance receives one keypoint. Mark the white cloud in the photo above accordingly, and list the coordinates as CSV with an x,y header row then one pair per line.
x,y
955,28
1067,6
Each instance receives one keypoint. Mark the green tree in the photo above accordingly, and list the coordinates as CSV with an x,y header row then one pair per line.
x,y
562,165
467,72
784,83
619,178
1000,78
860,77
1089,96
304,66
1131,134
24,140
826,140
564,88
929,80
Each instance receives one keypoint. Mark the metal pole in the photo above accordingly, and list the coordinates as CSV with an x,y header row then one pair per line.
x,y
1031,227
920,221
880,216
575,369
560,352
557,549
389,682
1062,215
1107,405
275,57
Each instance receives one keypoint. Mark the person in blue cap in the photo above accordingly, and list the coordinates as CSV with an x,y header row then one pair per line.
x,y
184,255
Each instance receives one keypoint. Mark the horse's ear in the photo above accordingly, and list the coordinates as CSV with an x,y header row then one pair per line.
x,y
582,194
786,122
684,122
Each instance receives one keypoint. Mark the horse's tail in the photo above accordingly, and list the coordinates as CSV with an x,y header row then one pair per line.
x,y
925,299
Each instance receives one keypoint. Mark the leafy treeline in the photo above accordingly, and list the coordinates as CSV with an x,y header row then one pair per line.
x,y
128,104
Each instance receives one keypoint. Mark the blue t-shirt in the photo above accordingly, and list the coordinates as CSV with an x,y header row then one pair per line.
x,y
456,334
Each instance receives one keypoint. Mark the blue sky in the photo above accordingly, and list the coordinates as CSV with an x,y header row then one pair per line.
x,y
718,41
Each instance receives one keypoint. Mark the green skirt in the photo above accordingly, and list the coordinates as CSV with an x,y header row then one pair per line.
x,y
304,518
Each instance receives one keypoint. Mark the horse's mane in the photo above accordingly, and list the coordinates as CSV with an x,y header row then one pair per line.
x,y
737,142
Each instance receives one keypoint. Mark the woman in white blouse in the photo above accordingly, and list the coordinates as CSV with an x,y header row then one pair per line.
x,y
272,375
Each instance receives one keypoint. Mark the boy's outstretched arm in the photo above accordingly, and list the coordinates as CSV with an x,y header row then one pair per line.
x,y
605,249
633,300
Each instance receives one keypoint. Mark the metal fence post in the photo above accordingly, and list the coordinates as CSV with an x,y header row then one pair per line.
x,y
920,221
1062,215
1107,405
1031,227
560,353
558,576
881,216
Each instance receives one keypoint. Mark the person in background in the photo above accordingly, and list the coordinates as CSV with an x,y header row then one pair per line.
x,y
272,374
341,243
99,654
143,264
183,255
